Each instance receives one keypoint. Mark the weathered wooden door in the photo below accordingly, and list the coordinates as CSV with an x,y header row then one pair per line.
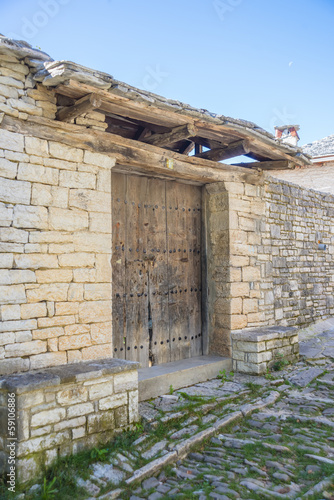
x,y
156,261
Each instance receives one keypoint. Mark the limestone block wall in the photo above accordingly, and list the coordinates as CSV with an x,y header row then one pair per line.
x,y
300,274
55,243
62,411
278,274
318,176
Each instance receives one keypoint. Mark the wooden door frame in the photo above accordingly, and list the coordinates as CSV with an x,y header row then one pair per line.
x,y
204,277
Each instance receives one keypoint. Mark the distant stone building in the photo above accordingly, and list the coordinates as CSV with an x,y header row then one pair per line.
x,y
319,174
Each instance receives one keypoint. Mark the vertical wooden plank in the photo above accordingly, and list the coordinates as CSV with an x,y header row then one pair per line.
x,y
157,271
195,273
118,194
137,329
178,252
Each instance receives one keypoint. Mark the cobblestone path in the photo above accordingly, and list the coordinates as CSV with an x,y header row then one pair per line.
x,y
236,436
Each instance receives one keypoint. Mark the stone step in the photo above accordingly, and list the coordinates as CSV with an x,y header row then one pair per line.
x,y
156,380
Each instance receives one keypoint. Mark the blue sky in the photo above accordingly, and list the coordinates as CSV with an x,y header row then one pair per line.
x,y
267,61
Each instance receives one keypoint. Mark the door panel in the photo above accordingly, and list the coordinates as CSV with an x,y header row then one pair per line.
x,y
156,269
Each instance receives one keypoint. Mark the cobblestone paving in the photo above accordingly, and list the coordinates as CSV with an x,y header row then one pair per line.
x,y
236,436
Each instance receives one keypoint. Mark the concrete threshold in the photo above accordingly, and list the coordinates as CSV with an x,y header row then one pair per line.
x,y
157,380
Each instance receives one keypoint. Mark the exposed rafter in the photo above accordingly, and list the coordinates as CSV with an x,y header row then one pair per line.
x,y
237,148
175,135
82,106
268,165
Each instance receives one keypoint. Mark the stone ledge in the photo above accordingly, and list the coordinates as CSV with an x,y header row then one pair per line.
x,y
65,374
264,333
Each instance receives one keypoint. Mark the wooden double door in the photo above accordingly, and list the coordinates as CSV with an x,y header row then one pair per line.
x,y
156,269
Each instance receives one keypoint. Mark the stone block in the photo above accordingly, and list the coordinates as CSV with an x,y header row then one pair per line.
x,y
54,276
6,261
240,289
64,152
77,180
101,390
121,416
251,273
55,321
101,333
79,259
238,321
97,352
74,342
103,268
133,407
43,443
13,365
113,401
37,173
35,261
100,223
97,291
70,424
77,410
259,357
84,275
100,160
76,329
72,396
48,359
89,200
66,308
95,311
37,310
75,292
14,294
10,312
48,333
126,381
14,277
30,217
92,242
25,349
11,140
35,146
54,293
100,422
250,306
13,191
8,168
14,235
67,220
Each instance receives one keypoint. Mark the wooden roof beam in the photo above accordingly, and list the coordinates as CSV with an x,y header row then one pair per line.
x,y
84,105
176,134
134,155
268,165
237,148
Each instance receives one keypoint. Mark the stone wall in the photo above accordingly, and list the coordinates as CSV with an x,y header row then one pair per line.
x,y
318,176
55,238
281,276
63,411
299,283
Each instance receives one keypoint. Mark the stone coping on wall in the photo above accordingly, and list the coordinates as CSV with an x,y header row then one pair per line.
x,y
65,374
263,333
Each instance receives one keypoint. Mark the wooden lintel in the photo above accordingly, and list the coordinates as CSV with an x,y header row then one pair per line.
x,y
268,165
84,105
237,148
130,153
175,135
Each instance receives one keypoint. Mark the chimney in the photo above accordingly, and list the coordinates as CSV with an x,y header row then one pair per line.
x,y
287,134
